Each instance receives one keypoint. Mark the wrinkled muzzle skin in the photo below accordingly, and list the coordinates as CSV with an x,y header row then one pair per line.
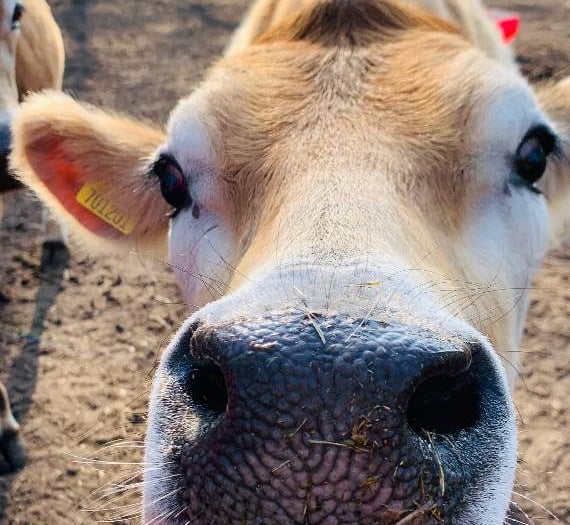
x,y
296,416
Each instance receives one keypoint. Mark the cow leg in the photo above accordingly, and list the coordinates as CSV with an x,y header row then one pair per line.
x,y
11,447
54,231
55,238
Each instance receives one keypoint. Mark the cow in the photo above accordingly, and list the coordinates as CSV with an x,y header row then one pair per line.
x,y
354,201
31,59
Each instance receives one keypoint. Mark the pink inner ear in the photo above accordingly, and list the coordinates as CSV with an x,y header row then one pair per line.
x,y
64,179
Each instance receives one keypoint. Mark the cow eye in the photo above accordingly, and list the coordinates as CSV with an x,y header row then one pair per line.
x,y
532,154
173,183
17,16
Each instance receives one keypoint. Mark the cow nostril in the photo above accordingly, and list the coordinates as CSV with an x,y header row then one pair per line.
x,y
208,386
444,404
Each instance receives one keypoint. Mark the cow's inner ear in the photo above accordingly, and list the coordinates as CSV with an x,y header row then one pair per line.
x,y
555,99
91,168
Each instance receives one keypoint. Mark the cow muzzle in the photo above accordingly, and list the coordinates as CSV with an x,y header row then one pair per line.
x,y
298,418
12,455
7,181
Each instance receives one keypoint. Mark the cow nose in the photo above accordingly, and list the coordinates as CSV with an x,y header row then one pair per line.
x,y
5,143
5,139
433,388
7,182
292,411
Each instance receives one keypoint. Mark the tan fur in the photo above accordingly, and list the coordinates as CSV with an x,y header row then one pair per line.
x,y
417,134
335,124
319,115
472,18
469,15
40,58
33,58
91,145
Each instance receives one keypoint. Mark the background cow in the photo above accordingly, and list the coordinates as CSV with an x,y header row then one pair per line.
x,y
31,59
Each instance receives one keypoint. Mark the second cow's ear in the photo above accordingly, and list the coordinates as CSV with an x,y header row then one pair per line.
x,y
40,57
91,168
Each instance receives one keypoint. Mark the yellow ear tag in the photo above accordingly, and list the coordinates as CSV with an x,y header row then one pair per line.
x,y
93,198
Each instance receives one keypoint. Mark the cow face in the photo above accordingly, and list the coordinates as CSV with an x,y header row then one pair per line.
x,y
356,205
371,211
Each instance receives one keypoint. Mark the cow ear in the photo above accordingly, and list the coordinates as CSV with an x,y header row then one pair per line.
x,y
91,168
555,99
40,57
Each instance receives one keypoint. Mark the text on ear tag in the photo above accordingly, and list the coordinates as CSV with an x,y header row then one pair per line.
x,y
91,197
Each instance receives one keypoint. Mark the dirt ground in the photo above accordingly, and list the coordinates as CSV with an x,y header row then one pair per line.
x,y
79,338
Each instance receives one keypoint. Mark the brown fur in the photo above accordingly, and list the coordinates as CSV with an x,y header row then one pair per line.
x,y
469,17
357,24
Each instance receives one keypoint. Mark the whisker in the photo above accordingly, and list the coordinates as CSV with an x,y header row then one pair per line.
x,y
523,512
223,259
542,507
508,519
119,491
198,276
154,502
83,461
110,509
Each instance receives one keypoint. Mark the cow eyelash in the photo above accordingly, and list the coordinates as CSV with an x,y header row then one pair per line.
x,y
17,16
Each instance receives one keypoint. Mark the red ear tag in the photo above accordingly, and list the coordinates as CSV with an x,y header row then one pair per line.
x,y
508,23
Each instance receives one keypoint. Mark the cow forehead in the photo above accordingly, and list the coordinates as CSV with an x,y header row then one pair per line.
x,y
282,112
